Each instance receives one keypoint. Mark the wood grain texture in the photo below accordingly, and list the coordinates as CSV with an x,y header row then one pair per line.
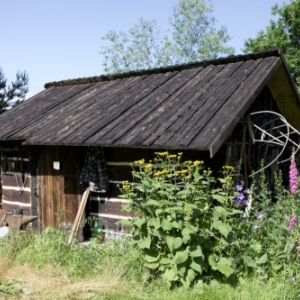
x,y
193,106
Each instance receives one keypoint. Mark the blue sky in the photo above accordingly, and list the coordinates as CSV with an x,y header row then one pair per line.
x,y
61,39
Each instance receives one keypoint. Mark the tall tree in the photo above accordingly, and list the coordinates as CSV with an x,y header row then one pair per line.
x,y
282,33
192,36
14,93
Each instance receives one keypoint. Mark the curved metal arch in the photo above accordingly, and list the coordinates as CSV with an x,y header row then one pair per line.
x,y
282,140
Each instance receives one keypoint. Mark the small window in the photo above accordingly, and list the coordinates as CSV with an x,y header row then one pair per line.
x,y
14,163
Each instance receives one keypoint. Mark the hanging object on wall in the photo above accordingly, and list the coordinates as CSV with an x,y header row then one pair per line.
x,y
94,172
273,131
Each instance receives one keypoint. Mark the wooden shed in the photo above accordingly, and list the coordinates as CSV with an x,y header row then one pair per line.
x,y
201,109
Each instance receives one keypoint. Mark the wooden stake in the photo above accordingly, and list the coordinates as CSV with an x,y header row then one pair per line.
x,y
79,215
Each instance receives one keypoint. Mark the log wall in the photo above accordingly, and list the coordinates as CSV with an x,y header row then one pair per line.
x,y
16,181
54,194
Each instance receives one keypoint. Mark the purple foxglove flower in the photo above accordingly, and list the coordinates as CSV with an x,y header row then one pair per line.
x,y
241,196
238,187
293,175
255,226
259,215
246,191
237,201
245,202
243,219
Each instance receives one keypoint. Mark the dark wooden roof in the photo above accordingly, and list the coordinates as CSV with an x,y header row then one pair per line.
x,y
191,106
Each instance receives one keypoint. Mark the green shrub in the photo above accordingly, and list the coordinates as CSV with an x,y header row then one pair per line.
x,y
181,224
189,225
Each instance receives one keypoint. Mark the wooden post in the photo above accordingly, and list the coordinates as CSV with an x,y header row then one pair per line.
x,y
79,215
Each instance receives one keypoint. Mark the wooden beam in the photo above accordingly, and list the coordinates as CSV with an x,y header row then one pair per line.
x,y
79,215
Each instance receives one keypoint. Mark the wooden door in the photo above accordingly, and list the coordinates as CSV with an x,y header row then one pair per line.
x,y
58,186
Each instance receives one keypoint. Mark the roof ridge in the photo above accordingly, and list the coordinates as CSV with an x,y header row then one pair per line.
x,y
217,61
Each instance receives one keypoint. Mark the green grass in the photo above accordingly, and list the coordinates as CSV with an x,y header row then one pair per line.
x,y
43,267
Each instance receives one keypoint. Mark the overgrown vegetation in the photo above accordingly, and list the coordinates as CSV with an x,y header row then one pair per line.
x,y
193,236
192,227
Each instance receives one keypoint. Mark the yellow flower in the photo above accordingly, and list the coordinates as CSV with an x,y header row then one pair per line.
x,y
188,162
172,156
162,153
198,162
228,178
180,154
139,162
181,172
230,168
148,166
126,186
160,173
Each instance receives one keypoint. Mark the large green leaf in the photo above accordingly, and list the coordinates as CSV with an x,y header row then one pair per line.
x,y
190,275
173,243
139,222
224,269
224,261
197,265
219,211
165,261
170,275
195,251
141,188
152,266
249,261
212,261
159,211
177,224
154,222
263,259
145,242
223,228
234,212
151,256
153,203
127,207
181,257
166,225
219,198
187,231
126,222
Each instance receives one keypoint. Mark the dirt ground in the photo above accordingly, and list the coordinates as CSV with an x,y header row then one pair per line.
x,y
51,283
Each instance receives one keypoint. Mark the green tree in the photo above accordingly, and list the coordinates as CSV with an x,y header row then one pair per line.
x,y
14,93
192,36
282,33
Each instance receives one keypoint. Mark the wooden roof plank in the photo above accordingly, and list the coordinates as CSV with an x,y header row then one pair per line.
x,y
193,106
139,102
85,109
56,116
238,103
143,120
28,113
191,99
202,117
199,114
81,109
118,113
